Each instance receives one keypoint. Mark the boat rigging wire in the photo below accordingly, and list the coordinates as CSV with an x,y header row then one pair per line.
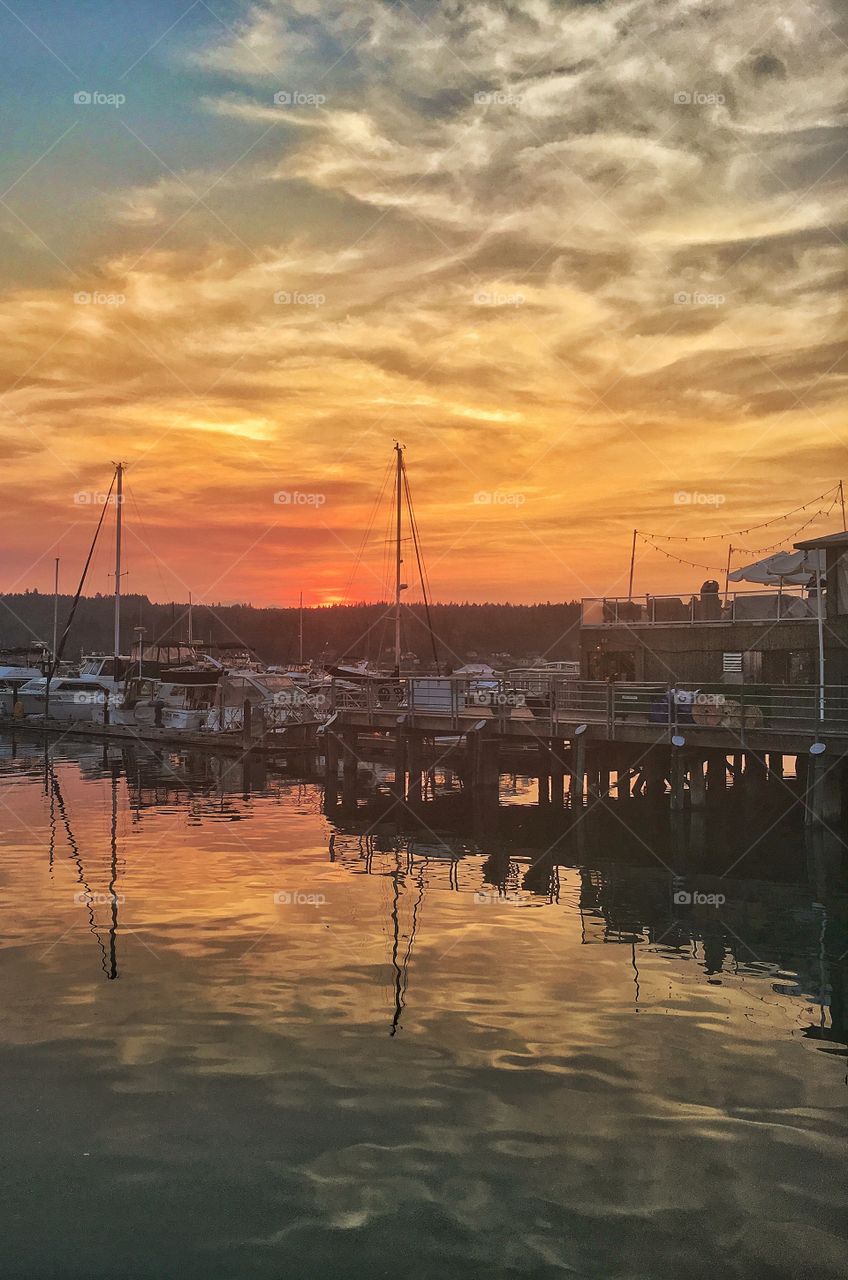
x,y
60,649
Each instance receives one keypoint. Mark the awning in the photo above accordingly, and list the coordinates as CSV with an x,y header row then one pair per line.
x,y
797,568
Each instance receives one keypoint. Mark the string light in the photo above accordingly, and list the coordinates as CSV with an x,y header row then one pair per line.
x,y
710,568
755,551
706,537
748,551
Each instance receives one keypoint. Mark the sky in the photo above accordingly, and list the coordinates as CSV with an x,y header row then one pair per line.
x,y
586,261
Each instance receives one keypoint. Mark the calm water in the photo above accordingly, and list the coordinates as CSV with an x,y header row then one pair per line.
x,y
237,1040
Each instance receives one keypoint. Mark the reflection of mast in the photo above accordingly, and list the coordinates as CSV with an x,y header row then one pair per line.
x,y
112,971
51,848
109,964
401,967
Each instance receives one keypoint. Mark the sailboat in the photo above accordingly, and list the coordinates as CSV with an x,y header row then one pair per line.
x,y
99,684
361,671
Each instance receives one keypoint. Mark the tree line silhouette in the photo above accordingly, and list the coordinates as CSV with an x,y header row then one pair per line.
x,y
463,632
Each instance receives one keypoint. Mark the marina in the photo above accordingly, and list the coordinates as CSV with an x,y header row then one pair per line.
x,y
424,641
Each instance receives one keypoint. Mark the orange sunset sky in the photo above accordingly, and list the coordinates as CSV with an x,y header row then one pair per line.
x,y
580,258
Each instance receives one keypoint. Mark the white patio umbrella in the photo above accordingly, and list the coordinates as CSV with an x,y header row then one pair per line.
x,y
797,568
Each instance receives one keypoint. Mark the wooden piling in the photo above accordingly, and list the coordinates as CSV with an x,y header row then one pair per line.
x,y
349,762
577,772
716,779
557,757
825,790
415,768
697,783
544,774
399,784
677,774
332,747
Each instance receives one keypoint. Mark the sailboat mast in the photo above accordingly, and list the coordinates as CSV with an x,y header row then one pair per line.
x,y
300,631
190,621
398,559
55,612
119,502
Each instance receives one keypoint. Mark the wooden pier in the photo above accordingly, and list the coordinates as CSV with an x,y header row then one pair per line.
x,y
585,740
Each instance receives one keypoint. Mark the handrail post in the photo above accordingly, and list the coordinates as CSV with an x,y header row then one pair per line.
x,y
610,710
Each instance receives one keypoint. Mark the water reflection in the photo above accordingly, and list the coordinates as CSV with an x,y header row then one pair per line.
x,y
791,932
334,1040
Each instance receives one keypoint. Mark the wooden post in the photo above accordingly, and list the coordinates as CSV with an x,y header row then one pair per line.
x,y
331,769
577,771
557,774
775,765
399,784
415,768
246,724
716,773
484,774
544,774
825,790
755,768
677,776
697,783
348,744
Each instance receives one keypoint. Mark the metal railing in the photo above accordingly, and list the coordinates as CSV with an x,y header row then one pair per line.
x,y
550,705
789,605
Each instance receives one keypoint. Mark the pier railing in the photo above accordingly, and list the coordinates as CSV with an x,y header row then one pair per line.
x,y
789,605
552,705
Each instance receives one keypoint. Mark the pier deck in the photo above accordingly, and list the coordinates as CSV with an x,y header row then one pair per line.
x,y
584,732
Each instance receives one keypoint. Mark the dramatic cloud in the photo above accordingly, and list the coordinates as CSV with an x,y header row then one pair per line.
x,y
581,256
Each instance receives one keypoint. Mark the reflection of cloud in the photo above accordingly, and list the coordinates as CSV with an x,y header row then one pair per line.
x,y
489,151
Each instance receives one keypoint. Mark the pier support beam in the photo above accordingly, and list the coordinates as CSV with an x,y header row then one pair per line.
x,y
415,768
544,774
484,773
775,766
677,773
824,790
755,769
332,748
557,773
348,749
716,773
697,783
399,784
577,772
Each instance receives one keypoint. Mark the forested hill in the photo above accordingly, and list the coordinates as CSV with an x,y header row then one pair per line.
x,y
468,632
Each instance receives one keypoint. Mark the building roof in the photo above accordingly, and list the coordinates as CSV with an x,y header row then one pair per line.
x,y
830,540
